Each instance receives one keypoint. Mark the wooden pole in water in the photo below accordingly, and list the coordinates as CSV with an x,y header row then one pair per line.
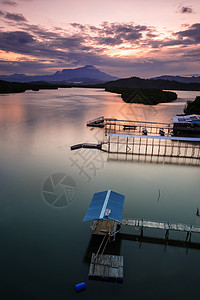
x,y
146,146
117,144
133,146
165,147
108,144
126,145
186,148
158,147
152,147
172,148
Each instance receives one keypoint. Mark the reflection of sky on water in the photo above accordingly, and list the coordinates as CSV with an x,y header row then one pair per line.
x,y
36,132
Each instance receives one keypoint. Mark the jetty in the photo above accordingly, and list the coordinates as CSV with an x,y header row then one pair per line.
x,y
105,213
152,139
188,125
152,145
167,226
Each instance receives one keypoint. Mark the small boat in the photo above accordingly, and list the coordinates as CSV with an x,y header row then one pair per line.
x,y
75,147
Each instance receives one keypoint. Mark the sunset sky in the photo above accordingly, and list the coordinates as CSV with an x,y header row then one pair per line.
x,y
124,38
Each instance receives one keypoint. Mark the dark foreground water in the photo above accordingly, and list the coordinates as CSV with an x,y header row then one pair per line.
x,y
45,248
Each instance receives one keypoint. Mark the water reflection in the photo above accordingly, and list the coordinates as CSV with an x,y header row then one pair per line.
x,y
154,159
36,132
113,247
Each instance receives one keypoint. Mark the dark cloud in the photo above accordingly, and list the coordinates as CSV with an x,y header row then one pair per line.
x,y
186,10
112,34
16,41
72,42
85,44
192,54
79,26
70,48
38,31
192,34
187,37
9,2
1,13
15,17
110,41
123,32
25,66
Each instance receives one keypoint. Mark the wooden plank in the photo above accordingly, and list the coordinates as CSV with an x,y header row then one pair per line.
x,y
91,270
120,272
93,258
160,225
106,266
106,271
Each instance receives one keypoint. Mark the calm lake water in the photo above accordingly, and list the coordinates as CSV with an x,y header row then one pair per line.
x,y
44,249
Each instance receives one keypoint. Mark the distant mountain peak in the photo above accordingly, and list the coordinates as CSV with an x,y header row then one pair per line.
x,y
90,67
84,75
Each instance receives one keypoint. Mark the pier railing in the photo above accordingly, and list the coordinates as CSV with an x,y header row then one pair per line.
x,y
137,127
142,138
168,146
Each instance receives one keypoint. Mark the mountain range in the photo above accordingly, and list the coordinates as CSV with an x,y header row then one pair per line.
x,y
88,75
83,76
192,79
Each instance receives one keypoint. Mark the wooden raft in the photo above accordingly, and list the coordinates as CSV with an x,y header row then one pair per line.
x,y
106,267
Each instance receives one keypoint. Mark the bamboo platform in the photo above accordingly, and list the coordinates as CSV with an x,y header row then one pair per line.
x,y
106,267
161,225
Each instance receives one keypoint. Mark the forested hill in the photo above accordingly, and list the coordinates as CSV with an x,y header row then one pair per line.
x,y
139,83
193,107
17,87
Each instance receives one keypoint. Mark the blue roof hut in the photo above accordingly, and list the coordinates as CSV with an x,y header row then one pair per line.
x,y
105,211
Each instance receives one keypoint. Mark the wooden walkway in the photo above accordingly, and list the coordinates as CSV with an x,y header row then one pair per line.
x,y
161,225
106,267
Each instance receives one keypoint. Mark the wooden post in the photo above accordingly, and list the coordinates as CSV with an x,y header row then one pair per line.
x,y
179,151
133,146
109,144
167,234
158,147
192,155
146,146
126,145
172,148
139,145
165,147
186,147
198,156
152,147
117,144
